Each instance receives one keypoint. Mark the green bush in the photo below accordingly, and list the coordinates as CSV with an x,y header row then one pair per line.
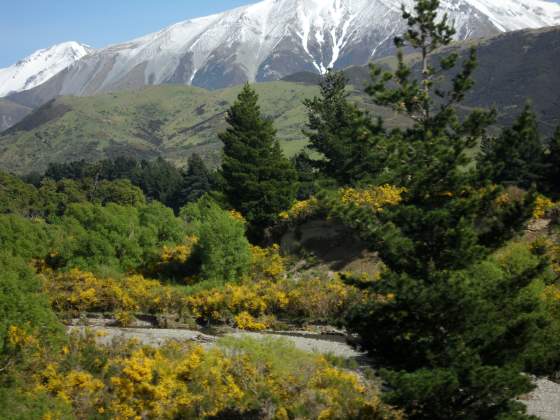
x,y
18,197
114,236
22,304
223,252
25,238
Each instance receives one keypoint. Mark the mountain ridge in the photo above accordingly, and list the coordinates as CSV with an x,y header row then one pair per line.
x,y
41,66
272,39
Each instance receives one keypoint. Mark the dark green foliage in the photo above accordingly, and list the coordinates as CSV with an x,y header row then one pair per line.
x,y
342,134
258,180
18,197
197,181
516,156
51,198
307,175
222,251
23,305
25,238
158,179
71,170
552,160
449,324
57,196
455,341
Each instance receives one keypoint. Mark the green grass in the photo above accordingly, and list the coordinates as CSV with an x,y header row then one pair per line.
x,y
169,121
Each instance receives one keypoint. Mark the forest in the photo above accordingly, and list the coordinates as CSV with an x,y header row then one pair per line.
x,y
458,314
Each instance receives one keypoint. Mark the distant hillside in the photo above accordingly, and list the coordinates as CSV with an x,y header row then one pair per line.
x,y
175,121
168,121
11,113
513,68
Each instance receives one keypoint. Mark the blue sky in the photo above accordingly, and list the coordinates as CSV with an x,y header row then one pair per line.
x,y
28,25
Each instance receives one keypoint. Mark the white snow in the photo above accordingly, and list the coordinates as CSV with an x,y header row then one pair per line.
x,y
509,15
40,67
319,31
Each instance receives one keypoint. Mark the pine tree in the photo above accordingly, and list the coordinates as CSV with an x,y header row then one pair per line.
x,y
306,173
258,180
516,156
197,181
344,136
447,325
553,164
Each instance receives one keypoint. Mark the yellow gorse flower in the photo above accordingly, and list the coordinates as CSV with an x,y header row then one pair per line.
x,y
375,198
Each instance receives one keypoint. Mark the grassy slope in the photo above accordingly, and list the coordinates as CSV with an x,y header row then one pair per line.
x,y
168,121
171,121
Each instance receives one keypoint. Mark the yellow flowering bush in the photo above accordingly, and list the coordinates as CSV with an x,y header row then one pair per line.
x,y
301,210
220,304
77,291
319,299
235,215
239,377
267,263
375,198
245,321
174,261
179,254
267,378
313,300
19,338
78,388
542,205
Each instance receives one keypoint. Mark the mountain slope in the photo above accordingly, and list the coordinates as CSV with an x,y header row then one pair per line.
x,y
275,38
513,68
11,113
174,121
168,121
40,66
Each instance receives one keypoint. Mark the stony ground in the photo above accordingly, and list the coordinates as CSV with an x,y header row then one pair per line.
x,y
544,402
324,344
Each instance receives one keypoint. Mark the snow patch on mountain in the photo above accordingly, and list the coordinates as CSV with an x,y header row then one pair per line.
x,y
272,39
40,67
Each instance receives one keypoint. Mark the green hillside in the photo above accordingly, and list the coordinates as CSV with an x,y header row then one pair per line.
x,y
168,121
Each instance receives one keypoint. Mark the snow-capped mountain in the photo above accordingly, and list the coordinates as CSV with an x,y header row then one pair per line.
x,y
275,38
40,67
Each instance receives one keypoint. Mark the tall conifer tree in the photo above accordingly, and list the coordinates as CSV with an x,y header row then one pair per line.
x,y
197,181
259,181
446,325
344,136
516,156
553,164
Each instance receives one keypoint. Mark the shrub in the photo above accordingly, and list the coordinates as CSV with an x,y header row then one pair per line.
x,y
25,238
222,251
238,378
75,292
123,238
22,306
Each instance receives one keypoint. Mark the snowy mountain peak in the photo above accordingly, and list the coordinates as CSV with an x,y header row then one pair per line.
x,y
40,66
275,38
